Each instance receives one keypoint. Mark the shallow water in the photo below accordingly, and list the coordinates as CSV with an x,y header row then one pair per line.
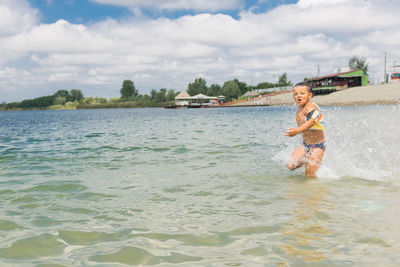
x,y
203,187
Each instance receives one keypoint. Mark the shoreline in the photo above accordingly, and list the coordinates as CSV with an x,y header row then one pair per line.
x,y
384,94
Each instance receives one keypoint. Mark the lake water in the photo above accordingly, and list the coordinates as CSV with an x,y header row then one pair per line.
x,y
197,187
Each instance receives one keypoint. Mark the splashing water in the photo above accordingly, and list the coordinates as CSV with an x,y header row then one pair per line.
x,y
363,142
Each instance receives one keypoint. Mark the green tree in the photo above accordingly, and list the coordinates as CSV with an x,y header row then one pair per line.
x,y
88,100
251,88
153,95
113,100
356,63
265,85
128,89
242,86
171,95
65,94
214,90
39,102
199,86
76,94
283,81
100,100
145,98
161,96
230,90
59,100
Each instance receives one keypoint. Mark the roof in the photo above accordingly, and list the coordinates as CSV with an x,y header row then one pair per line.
x,y
340,74
201,96
182,95
251,93
185,96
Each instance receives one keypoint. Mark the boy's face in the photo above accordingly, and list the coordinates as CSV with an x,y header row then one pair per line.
x,y
301,95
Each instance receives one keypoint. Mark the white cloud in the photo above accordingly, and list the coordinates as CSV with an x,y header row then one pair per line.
x,y
16,16
59,36
356,17
203,5
57,77
314,3
170,53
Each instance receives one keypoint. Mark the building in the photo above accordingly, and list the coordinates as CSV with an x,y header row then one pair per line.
x,y
338,81
395,77
202,100
183,99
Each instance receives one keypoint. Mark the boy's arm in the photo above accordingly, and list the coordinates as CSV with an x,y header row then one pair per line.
x,y
305,126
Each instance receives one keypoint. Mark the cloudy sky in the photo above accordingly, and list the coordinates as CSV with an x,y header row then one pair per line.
x,y
93,45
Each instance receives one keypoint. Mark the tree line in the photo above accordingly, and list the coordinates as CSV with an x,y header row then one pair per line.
x,y
61,97
232,89
129,93
130,96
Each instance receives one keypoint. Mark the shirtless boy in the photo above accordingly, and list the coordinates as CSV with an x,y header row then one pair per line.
x,y
311,125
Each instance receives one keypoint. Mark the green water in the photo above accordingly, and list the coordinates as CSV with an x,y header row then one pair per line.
x,y
196,188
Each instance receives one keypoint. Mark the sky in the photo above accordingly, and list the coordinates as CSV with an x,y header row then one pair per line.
x,y
93,45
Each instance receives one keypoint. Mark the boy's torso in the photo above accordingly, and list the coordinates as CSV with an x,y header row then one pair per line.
x,y
310,136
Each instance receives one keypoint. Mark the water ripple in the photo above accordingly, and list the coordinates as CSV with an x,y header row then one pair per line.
x,y
196,188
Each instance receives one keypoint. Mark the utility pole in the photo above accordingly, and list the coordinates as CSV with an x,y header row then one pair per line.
x,y
318,71
384,73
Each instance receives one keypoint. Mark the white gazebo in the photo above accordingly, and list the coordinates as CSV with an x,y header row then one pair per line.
x,y
199,100
182,99
203,100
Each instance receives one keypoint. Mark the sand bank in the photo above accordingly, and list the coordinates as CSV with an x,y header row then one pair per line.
x,y
376,94
367,95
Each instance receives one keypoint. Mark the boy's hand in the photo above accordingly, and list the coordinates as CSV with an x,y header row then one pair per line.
x,y
291,132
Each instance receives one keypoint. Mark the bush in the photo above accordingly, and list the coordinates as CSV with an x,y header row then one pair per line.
x,y
56,107
71,105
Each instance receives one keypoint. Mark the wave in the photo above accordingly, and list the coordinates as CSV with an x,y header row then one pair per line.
x,y
361,142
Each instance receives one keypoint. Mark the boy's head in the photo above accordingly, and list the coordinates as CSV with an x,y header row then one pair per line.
x,y
305,84
302,93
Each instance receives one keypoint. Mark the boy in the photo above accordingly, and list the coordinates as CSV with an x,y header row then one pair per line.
x,y
311,125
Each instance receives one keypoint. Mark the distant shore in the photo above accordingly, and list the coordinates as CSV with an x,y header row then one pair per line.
x,y
366,95
363,95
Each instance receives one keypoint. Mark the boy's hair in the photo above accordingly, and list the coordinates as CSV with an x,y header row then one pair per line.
x,y
305,84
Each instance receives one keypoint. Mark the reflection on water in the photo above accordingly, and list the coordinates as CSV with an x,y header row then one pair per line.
x,y
309,223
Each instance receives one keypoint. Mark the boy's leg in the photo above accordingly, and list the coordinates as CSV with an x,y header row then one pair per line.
x,y
314,161
297,158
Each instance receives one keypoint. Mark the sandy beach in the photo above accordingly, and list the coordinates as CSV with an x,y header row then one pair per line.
x,y
367,95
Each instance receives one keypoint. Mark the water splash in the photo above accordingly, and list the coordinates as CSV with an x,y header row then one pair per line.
x,y
362,142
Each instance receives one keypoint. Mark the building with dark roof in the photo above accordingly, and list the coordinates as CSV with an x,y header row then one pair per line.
x,y
338,81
